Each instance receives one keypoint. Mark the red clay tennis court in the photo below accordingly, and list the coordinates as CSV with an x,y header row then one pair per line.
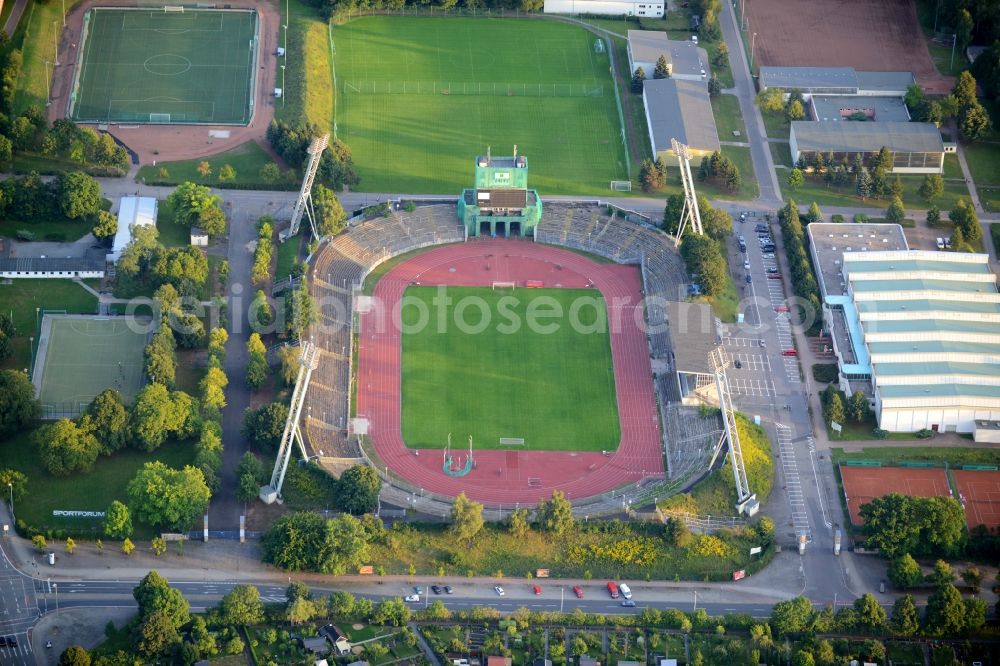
x,y
863,484
980,495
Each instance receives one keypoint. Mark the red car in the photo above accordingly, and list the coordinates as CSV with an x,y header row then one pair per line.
x,y
789,352
774,276
578,591
537,590
781,308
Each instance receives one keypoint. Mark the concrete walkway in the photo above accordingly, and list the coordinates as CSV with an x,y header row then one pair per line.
x,y
15,17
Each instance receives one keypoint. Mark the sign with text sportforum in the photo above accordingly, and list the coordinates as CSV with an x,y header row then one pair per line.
x,y
57,513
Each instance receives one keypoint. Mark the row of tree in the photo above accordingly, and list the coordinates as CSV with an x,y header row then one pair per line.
x,y
704,256
72,196
720,169
793,233
336,167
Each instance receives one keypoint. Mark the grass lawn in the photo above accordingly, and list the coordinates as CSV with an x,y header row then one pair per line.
x,y
724,305
635,114
816,189
863,431
426,141
308,90
728,118
22,297
995,233
59,230
984,163
87,492
170,234
35,36
905,654
246,158
889,455
775,125
619,26
781,153
288,252
555,389
25,162
952,169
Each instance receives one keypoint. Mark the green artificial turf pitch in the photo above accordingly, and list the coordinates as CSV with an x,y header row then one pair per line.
x,y
419,98
555,390
196,65
85,356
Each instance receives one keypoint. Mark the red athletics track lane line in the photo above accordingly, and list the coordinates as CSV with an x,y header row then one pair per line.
x,y
578,474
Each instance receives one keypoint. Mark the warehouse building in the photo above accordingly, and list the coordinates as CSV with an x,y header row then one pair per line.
x,y
835,81
837,108
679,110
918,331
607,7
685,59
915,147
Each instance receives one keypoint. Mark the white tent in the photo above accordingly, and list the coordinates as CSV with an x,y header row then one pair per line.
x,y
132,212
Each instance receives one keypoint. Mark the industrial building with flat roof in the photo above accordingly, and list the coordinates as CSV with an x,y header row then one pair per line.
x,y
915,147
835,81
920,328
679,110
838,108
607,7
685,59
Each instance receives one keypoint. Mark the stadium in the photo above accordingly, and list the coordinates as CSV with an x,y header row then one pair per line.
x,y
505,418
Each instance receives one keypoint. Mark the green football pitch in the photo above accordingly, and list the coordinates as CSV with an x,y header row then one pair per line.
x,y
419,98
153,66
86,355
555,390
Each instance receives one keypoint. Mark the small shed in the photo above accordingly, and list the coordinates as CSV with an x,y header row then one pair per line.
x,y
316,645
199,237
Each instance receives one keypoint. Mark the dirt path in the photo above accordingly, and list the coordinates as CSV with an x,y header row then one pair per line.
x,y
174,142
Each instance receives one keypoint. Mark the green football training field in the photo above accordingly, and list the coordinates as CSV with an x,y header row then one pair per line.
x,y
86,355
419,98
141,66
555,390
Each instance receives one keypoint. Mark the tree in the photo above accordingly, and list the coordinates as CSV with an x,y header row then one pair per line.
x,y
79,195
305,541
794,110
117,521
261,313
662,69
242,606
392,611
466,518
796,178
896,213
973,122
358,489
18,406
300,310
556,514
703,258
833,410
932,187
905,616
227,174
157,414
212,387
74,656
638,78
331,218
169,497
270,173
933,216
714,86
70,545
158,546
38,541
945,611
803,658
771,100
517,522
904,572
107,418
105,225
217,339
650,176
972,576
871,616
942,574
66,448
6,335
289,356
160,364
153,594
204,169
190,330
264,426
864,184
792,616
15,481
721,57
188,200
212,221
965,89
155,634
257,370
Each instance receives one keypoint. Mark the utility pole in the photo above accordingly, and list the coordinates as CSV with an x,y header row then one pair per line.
x,y
753,42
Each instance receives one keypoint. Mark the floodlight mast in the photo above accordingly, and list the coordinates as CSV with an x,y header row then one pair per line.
x,y
690,215
304,203
746,501
309,360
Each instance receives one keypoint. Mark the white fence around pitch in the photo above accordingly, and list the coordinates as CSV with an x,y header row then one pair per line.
x,y
703,523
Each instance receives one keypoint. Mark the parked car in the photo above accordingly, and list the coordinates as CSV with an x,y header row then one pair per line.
x,y
436,589
498,590
418,589
749,278
743,247
448,589
578,591
613,589
412,598
537,590
781,308
738,364
772,270
760,226
789,352
774,276
628,603
626,592
746,264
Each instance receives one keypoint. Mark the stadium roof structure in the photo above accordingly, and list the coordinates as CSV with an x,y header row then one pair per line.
x,y
840,137
694,335
681,110
132,212
845,80
88,264
878,108
929,326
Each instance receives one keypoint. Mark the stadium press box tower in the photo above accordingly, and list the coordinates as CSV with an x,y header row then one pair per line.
x,y
500,204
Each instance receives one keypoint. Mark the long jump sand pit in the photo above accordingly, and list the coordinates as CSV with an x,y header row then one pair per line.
x,y
866,35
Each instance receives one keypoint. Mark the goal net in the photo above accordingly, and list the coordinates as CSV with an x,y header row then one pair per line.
x,y
511,441
504,285
599,46
621,185
173,8
159,117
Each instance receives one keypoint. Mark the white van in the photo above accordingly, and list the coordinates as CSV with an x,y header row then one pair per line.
x,y
625,591
940,243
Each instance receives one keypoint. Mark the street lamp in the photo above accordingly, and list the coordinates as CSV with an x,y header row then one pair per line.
x,y
10,485
55,586
753,42
48,92
55,38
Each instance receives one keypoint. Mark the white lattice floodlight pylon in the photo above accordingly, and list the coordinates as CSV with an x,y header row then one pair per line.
x,y
304,202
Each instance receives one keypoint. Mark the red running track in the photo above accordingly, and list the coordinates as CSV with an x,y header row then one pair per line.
x,y
497,478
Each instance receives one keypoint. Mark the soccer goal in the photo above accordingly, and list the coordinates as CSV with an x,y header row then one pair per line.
x,y
174,8
159,117
621,185
505,285
599,46
511,441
